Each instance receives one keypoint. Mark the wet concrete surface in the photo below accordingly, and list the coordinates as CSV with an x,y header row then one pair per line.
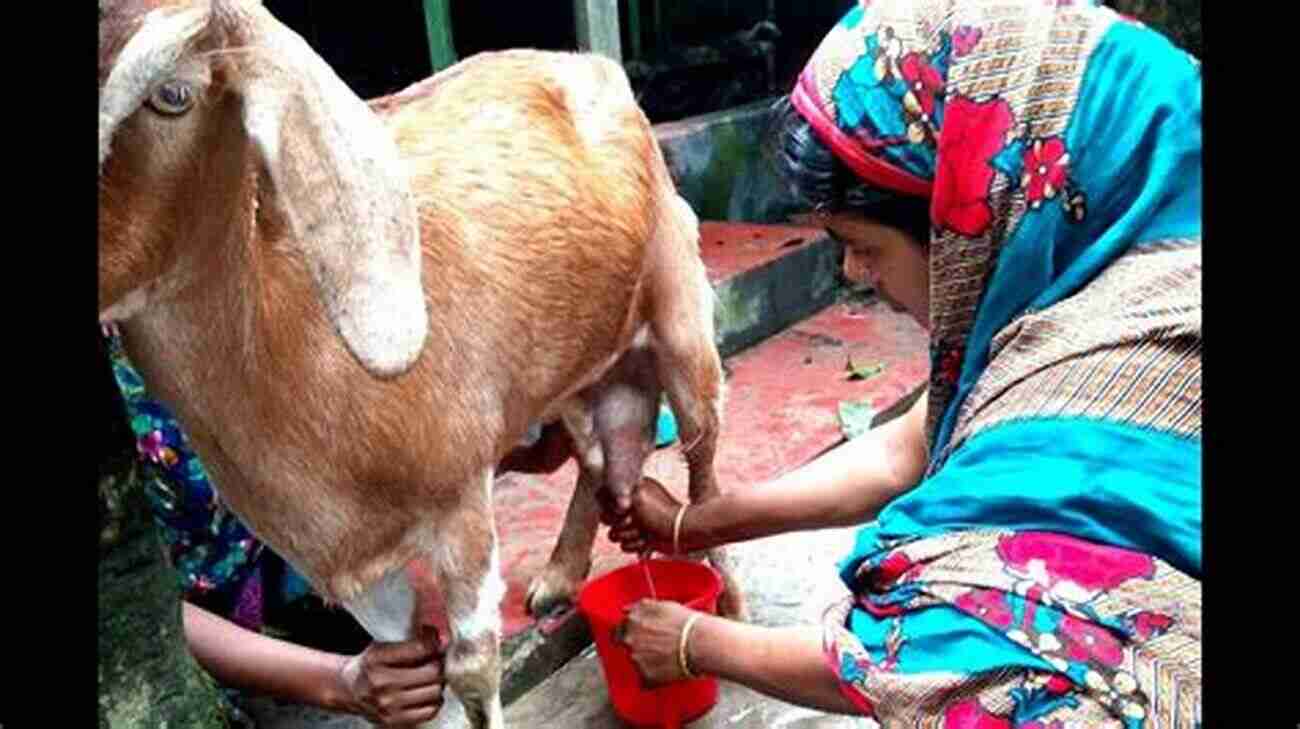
x,y
730,249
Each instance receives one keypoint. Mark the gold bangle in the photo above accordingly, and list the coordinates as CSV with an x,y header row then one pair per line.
x,y
677,528
682,661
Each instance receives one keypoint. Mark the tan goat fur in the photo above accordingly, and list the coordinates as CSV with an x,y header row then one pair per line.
x,y
260,253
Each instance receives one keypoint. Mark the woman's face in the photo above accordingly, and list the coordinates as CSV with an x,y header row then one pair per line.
x,y
897,266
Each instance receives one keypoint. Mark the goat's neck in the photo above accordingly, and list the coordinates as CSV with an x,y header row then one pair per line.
x,y
225,331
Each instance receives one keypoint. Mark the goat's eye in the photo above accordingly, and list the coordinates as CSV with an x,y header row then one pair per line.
x,y
172,98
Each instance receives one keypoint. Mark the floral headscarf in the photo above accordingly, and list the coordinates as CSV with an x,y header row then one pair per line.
x,y
1035,187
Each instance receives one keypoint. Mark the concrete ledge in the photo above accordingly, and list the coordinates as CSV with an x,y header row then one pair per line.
x,y
531,657
767,277
720,167
762,301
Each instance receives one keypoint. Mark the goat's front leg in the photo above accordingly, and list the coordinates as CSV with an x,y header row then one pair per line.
x,y
392,609
463,575
468,568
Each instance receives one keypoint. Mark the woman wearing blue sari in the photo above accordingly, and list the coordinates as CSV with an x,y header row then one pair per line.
x,y
1024,177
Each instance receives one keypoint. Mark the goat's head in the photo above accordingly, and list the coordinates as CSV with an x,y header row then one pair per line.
x,y
202,104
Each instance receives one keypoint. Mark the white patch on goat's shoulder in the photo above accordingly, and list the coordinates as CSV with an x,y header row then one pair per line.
x,y
126,307
386,322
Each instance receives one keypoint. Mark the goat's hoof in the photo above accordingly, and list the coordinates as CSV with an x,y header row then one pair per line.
x,y
551,593
731,605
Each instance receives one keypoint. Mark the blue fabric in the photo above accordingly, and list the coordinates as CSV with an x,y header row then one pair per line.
x,y
1103,482
866,102
1135,146
665,427
937,634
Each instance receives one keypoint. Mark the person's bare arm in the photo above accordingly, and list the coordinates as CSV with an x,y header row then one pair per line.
x,y
846,486
392,684
786,662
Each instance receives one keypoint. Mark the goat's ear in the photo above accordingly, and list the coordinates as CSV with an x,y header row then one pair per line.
x,y
337,181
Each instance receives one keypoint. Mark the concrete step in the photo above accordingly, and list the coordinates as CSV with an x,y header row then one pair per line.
x,y
767,277
721,167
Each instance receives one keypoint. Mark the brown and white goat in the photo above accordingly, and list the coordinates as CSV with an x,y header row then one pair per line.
x,y
357,310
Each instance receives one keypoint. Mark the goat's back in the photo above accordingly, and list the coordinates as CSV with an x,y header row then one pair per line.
x,y
539,183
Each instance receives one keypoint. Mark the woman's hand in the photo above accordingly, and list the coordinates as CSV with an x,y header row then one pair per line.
x,y
395,684
649,525
391,684
652,633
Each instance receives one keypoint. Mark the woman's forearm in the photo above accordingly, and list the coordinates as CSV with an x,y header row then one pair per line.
x,y
241,658
786,663
846,486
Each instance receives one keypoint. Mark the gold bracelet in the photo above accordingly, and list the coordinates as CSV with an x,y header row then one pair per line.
x,y
682,661
677,528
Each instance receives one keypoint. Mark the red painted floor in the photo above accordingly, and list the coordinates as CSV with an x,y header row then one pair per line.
x,y
730,248
781,410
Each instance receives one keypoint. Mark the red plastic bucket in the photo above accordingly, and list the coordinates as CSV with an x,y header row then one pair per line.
x,y
602,601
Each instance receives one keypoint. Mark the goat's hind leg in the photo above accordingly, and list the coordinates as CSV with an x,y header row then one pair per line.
x,y
612,429
556,586
690,368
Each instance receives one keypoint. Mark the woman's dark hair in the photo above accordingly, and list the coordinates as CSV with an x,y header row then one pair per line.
x,y
818,180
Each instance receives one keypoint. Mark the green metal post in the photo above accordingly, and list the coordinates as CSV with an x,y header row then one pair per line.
x,y
597,26
437,23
